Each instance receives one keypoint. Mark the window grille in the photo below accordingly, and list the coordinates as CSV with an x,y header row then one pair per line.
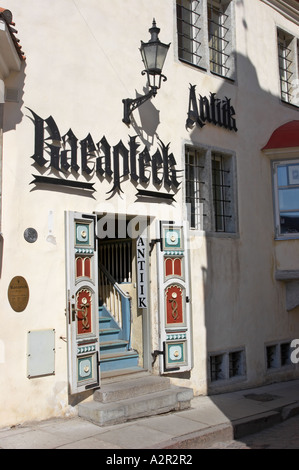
x,y
278,355
188,26
221,193
235,363
216,367
194,199
285,65
218,31
227,365
285,351
271,356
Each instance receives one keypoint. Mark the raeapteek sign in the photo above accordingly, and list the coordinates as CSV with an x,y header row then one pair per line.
x,y
67,155
210,110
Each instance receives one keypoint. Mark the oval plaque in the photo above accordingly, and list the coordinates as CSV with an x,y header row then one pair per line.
x,y
18,293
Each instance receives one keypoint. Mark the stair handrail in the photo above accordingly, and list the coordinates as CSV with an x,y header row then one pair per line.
x,y
125,305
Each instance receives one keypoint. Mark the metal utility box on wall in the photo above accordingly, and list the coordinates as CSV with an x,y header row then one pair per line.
x,y
41,353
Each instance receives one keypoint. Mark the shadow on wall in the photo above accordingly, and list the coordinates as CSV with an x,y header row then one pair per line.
x,y
14,86
149,118
14,90
238,278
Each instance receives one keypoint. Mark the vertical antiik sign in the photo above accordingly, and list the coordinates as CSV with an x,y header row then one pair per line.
x,y
142,270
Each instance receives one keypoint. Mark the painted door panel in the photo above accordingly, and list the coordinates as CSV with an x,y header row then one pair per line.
x,y
174,298
82,302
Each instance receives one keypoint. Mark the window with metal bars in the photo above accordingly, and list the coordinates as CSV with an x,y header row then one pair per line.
x,y
236,363
209,190
189,19
271,353
278,355
205,36
285,354
221,192
218,31
286,64
216,367
227,365
194,179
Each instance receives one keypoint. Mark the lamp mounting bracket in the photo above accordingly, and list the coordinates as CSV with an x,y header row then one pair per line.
x,y
130,105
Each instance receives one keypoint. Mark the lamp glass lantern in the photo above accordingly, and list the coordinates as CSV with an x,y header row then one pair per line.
x,y
153,55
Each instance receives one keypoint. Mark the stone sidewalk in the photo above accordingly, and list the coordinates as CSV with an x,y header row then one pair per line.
x,y
211,419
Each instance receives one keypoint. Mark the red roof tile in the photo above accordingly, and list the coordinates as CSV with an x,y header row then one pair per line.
x,y
6,15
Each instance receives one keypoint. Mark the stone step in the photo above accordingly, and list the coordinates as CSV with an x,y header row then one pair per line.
x,y
150,404
131,388
119,375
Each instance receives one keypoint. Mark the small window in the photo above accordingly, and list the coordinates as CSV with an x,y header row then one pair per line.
x,y
278,355
216,367
286,198
285,354
271,353
227,365
236,363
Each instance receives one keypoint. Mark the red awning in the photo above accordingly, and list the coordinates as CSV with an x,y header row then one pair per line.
x,y
285,136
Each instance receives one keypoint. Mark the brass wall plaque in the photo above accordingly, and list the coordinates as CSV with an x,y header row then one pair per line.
x,y
18,294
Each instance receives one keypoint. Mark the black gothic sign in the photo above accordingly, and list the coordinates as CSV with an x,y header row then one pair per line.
x,y
66,154
212,110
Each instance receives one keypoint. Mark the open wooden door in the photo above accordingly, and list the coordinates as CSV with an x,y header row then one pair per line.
x,y
82,302
174,298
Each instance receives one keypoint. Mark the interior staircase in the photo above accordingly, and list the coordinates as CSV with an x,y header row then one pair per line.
x,y
115,352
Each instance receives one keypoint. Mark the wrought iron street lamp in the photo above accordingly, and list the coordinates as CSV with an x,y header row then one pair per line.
x,y
153,55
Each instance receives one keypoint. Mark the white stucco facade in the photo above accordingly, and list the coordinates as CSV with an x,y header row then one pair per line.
x,y
82,60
